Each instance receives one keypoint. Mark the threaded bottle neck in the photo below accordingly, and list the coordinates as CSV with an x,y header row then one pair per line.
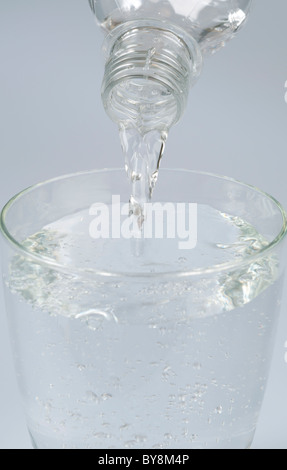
x,y
149,71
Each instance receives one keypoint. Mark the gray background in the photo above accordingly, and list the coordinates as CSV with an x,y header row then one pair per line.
x,y
52,122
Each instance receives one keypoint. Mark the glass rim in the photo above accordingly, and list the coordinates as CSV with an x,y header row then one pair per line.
x,y
89,272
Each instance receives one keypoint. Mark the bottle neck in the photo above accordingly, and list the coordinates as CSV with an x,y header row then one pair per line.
x,y
149,71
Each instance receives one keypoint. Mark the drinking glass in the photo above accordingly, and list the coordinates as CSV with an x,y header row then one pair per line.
x,y
151,334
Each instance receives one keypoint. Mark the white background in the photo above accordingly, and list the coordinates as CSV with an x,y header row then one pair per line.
x,y
52,122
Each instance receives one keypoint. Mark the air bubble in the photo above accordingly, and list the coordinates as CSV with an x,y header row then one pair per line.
x,y
101,435
218,410
106,396
130,444
140,438
92,396
168,373
124,427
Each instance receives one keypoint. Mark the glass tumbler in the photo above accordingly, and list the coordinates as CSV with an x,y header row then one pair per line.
x,y
151,334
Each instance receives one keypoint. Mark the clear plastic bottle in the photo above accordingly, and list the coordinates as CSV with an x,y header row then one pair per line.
x,y
155,50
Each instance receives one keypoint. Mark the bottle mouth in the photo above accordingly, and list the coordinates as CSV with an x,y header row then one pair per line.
x,y
148,75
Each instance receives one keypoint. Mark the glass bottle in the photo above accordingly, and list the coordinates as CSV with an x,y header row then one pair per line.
x,y
154,53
